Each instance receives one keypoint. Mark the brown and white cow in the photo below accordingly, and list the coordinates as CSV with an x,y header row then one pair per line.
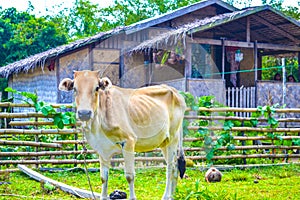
x,y
125,121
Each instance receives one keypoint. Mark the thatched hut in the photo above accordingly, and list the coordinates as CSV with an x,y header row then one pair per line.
x,y
196,48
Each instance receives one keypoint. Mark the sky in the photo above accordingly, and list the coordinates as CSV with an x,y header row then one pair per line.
x,y
44,7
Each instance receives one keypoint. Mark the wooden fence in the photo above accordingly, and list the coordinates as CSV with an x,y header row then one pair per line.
x,y
32,140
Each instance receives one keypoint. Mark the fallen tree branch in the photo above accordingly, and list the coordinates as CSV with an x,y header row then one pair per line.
x,y
64,187
14,195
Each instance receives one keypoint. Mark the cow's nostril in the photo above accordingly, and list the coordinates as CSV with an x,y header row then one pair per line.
x,y
84,115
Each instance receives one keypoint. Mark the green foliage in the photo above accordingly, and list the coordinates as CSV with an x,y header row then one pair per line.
x,y
272,65
23,34
60,119
224,138
210,146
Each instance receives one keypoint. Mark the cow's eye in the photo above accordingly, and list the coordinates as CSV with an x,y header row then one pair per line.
x,y
97,88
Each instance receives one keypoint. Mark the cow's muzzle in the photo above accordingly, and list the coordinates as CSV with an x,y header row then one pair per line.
x,y
84,115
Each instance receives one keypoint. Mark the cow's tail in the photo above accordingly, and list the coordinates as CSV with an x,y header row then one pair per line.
x,y
181,158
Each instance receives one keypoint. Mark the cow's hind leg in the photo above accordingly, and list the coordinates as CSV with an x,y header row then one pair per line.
x,y
170,154
128,154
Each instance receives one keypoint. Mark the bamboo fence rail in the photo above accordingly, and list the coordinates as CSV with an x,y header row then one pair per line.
x,y
39,131
146,159
291,119
257,129
68,149
28,143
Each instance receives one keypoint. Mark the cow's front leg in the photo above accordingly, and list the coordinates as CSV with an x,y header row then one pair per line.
x,y
128,154
104,170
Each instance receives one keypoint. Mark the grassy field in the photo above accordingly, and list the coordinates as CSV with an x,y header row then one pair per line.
x,y
281,182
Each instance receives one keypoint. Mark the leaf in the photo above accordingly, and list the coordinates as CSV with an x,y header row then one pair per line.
x,y
254,122
228,125
195,107
60,124
210,155
66,119
296,142
203,122
44,111
272,121
208,140
231,147
271,135
165,57
203,131
56,119
9,89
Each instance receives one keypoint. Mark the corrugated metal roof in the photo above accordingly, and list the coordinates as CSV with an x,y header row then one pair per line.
x,y
176,13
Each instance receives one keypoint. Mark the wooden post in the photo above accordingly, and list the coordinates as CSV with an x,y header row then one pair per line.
x,y
223,58
243,144
36,138
75,146
298,66
248,29
255,60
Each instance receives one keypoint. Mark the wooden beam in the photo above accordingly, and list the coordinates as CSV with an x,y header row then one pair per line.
x,y
278,47
245,44
248,29
278,30
66,188
298,66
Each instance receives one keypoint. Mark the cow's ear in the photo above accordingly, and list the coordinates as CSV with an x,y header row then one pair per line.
x,y
105,83
66,84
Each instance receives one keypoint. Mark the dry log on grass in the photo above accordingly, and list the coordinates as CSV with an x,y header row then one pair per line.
x,y
64,187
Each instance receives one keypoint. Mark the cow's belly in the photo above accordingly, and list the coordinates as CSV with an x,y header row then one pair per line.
x,y
150,122
102,145
152,141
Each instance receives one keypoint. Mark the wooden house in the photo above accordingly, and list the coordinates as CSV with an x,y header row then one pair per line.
x,y
192,48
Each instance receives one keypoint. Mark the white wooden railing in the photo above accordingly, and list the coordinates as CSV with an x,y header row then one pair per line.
x,y
243,97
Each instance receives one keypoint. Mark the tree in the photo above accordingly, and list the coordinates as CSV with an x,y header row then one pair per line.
x,y
22,35
82,20
125,12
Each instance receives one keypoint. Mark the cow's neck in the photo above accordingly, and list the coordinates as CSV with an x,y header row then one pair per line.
x,y
104,114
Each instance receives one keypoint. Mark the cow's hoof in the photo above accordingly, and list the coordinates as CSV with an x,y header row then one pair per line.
x,y
117,194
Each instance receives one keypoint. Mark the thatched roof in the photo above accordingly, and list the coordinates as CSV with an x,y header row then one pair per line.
x,y
220,22
39,59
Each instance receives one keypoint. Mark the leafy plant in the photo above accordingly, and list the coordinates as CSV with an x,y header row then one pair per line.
x,y
60,119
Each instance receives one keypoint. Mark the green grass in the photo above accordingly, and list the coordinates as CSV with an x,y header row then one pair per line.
x,y
281,182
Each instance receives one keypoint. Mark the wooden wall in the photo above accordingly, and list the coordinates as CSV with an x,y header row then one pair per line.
x,y
247,79
78,60
39,80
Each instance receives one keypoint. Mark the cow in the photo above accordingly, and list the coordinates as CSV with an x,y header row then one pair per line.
x,y
123,120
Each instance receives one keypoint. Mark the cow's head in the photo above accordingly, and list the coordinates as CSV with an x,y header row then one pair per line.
x,y
87,86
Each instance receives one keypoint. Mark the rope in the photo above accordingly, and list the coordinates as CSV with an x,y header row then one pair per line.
x,y
85,165
246,70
